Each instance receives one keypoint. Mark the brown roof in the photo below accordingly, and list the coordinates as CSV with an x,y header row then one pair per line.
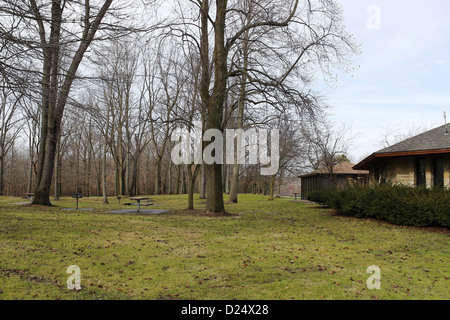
x,y
343,168
435,141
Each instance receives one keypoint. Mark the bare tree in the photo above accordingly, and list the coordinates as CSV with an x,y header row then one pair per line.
x,y
45,33
392,135
164,81
54,95
301,35
119,73
32,117
9,105
291,149
225,63
325,146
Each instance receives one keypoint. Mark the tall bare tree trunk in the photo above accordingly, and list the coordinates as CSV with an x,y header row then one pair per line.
x,y
158,175
183,181
170,178
30,178
57,184
203,182
214,103
134,175
2,169
191,184
233,197
272,185
54,96
227,179
177,181
104,181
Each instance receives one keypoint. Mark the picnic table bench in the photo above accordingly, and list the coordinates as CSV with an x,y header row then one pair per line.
x,y
28,196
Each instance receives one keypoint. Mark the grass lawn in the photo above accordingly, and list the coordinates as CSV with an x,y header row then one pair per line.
x,y
268,250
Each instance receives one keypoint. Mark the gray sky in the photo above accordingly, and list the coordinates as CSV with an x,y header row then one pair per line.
x,y
404,70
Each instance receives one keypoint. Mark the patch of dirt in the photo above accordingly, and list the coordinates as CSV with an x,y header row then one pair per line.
x,y
218,214
192,212
318,207
39,206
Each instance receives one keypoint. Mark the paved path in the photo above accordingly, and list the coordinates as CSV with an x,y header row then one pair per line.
x,y
141,212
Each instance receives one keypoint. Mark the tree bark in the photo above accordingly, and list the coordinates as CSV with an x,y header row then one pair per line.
x,y
134,176
169,189
227,179
158,176
214,103
57,184
191,184
203,182
177,181
2,166
104,185
272,185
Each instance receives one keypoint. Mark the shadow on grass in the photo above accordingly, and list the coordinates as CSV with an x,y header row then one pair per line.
x,y
336,213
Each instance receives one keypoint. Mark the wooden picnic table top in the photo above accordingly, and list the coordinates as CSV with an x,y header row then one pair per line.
x,y
139,198
29,194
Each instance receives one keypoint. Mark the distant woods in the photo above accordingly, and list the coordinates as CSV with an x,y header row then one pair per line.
x,y
92,91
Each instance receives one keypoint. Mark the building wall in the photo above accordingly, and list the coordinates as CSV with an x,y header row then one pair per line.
x,y
321,182
447,171
309,184
402,170
429,173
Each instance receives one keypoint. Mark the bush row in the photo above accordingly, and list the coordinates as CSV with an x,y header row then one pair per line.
x,y
401,205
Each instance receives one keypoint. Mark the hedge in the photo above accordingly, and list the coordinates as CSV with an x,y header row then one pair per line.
x,y
398,204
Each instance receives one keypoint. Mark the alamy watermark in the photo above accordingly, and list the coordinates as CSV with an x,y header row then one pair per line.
x,y
374,281
74,280
188,149
374,19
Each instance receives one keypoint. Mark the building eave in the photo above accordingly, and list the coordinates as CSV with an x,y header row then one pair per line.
x,y
363,165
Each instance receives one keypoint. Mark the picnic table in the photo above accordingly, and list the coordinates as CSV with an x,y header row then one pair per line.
x,y
138,199
295,194
29,196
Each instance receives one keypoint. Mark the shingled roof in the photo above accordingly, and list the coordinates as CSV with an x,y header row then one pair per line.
x,y
430,142
343,168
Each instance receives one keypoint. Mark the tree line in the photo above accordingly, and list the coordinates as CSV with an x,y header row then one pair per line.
x,y
92,91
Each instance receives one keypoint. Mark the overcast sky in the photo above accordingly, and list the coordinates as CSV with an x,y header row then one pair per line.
x,y
403,79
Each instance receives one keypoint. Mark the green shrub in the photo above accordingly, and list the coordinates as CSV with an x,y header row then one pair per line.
x,y
317,196
326,197
398,204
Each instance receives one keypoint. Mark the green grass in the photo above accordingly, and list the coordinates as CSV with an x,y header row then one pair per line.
x,y
268,250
